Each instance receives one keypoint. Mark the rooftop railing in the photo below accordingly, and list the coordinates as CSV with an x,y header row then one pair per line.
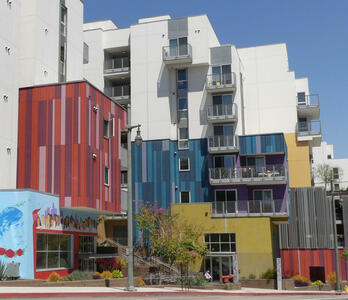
x,y
220,112
220,81
249,207
171,53
116,65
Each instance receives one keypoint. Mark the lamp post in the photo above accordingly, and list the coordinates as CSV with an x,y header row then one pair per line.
x,y
338,283
138,141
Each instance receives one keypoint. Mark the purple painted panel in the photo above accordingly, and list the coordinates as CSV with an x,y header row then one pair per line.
x,y
277,159
42,126
57,170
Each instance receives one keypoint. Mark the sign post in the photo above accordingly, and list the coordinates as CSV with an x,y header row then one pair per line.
x,y
279,274
235,268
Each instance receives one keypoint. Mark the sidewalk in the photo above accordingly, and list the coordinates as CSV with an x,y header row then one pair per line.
x,y
22,292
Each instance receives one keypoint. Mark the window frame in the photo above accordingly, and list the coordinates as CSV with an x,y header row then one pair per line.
x,y
219,243
70,252
262,190
106,168
94,243
226,190
110,128
189,193
188,164
225,155
335,173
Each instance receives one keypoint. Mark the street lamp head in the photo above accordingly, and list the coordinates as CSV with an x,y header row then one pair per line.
x,y
138,139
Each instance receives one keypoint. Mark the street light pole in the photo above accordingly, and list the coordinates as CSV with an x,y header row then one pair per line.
x,y
338,283
138,141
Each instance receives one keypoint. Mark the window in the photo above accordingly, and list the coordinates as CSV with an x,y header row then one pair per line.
x,y
256,165
178,46
337,187
263,200
335,173
182,109
62,43
225,195
86,244
184,164
221,242
54,251
108,128
224,161
106,175
185,197
301,98
85,53
222,75
329,156
124,178
222,105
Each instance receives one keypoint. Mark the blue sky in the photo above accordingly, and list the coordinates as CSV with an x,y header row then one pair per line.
x,y
316,33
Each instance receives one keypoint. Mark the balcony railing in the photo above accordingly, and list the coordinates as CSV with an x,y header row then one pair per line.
x,y
124,157
223,81
270,174
249,208
223,143
309,128
308,100
116,65
182,53
119,92
222,112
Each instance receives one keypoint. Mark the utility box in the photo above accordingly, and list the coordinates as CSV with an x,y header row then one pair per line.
x,y
12,270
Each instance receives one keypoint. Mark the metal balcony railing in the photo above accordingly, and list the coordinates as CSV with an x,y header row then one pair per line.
x,y
249,207
170,53
219,81
223,143
308,100
118,92
247,174
116,65
312,127
124,157
222,112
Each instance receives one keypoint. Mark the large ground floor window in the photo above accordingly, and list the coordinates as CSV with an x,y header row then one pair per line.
x,y
53,251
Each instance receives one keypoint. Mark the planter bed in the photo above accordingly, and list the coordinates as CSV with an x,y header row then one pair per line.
x,y
119,282
208,286
270,284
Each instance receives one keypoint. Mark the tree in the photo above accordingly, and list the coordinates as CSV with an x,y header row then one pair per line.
x,y
325,173
171,238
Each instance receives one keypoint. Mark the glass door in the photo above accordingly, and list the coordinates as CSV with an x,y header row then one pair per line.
x,y
226,74
216,75
173,47
183,48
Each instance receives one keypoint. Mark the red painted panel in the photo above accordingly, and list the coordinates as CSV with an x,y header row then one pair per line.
x,y
70,170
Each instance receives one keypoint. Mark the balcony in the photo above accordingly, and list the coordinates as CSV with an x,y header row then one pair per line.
x,y
309,131
222,113
221,82
120,94
308,106
116,67
177,54
270,174
124,158
223,144
252,208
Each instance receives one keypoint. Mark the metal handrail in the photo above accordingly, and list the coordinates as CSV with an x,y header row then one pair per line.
x,y
119,64
219,141
309,127
176,52
221,110
243,207
310,100
269,171
221,80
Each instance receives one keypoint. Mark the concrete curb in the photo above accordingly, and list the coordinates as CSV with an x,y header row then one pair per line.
x,y
130,294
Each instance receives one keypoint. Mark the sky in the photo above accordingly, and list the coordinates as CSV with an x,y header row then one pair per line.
x,y
315,31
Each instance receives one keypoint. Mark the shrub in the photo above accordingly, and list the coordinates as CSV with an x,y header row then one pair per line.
x,y
140,282
331,277
269,274
121,261
317,282
82,275
68,278
117,274
106,275
96,275
252,276
107,264
54,277
300,280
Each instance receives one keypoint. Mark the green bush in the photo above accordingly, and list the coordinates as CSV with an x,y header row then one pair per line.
x,y
269,274
81,275
252,276
318,282
117,274
192,281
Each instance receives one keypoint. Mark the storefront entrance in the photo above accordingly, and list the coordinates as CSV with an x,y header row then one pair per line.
x,y
218,265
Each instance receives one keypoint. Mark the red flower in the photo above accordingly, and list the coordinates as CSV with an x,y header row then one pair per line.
x,y
2,251
9,253
19,252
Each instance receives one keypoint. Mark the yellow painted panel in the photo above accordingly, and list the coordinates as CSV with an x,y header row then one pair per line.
x,y
298,161
253,236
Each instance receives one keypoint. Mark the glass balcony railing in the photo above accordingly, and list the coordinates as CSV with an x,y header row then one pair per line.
x,y
308,128
221,81
223,143
116,65
249,207
267,174
221,112
177,53
118,92
308,101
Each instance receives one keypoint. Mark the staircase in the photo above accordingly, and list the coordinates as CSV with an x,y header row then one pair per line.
x,y
150,261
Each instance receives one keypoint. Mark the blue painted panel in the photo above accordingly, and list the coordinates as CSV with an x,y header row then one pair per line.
x,y
262,144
